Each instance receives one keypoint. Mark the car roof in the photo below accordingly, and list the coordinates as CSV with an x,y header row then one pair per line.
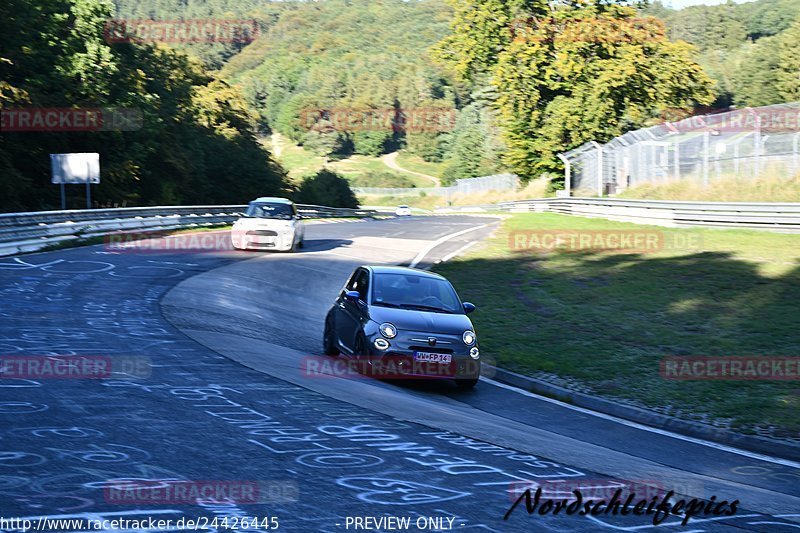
x,y
271,200
403,270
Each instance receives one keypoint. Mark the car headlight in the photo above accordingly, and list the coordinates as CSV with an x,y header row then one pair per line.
x,y
469,337
388,330
474,352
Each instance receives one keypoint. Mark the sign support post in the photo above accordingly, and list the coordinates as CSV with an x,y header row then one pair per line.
x,y
77,169
88,186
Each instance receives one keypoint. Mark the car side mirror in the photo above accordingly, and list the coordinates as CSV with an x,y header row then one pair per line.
x,y
353,296
469,307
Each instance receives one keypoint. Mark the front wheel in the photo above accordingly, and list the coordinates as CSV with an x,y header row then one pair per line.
x,y
466,384
329,339
362,356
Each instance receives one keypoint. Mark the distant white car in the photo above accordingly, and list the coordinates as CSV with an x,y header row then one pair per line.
x,y
269,224
403,211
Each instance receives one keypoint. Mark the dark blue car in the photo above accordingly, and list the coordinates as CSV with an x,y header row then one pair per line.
x,y
404,323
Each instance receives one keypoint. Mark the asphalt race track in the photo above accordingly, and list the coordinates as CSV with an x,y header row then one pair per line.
x,y
225,397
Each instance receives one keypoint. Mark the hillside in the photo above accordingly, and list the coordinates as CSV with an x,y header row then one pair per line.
x,y
751,49
344,54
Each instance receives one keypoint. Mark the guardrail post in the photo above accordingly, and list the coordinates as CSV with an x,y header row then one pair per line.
x,y
706,149
677,159
757,154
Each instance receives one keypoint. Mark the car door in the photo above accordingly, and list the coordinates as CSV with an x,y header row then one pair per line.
x,y
350,314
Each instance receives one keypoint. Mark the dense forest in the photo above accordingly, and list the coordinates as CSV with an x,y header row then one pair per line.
x,y
751,49
528,79
196,143
365,56
522,80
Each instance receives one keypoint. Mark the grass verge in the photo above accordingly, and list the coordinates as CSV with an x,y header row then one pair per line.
x,y
415,163
600,322
534,189
360,170
729,189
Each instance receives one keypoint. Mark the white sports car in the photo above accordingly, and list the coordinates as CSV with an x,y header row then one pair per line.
x,y
269,224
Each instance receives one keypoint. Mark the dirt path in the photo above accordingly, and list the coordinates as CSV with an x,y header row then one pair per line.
x,y
390,160
276,145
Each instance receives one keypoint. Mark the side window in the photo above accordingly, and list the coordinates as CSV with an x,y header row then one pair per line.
x,y
351,284
359,282
363,285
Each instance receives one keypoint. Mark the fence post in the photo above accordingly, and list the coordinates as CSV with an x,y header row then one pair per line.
x,y
796,152
706,148
599,168
568,174
757,162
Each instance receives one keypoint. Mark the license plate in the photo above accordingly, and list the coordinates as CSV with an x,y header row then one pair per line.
x,y
428,357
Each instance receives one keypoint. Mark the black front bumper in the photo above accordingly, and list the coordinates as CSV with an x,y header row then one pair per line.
x,y
398,361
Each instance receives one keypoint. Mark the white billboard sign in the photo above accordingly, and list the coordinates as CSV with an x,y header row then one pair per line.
x,y
75,168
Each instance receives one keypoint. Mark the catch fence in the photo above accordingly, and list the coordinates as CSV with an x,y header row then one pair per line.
x,y
745,143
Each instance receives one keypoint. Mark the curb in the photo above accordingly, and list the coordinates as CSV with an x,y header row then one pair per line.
x,y
335,220
642,416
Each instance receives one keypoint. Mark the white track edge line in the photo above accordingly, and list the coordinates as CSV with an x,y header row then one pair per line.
x,y
722,447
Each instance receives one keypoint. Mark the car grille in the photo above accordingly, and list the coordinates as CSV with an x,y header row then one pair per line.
x,y
430,349
263,233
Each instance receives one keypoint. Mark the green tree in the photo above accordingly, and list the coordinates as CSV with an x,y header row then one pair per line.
x,y
371,143
755,79
789,65
482,29
326,188
590,70
468,150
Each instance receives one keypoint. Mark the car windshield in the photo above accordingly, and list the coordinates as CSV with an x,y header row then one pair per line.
x,y
410,291
282,211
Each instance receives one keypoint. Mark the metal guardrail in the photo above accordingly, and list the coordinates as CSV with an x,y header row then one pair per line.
x,y
28,232
773,216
